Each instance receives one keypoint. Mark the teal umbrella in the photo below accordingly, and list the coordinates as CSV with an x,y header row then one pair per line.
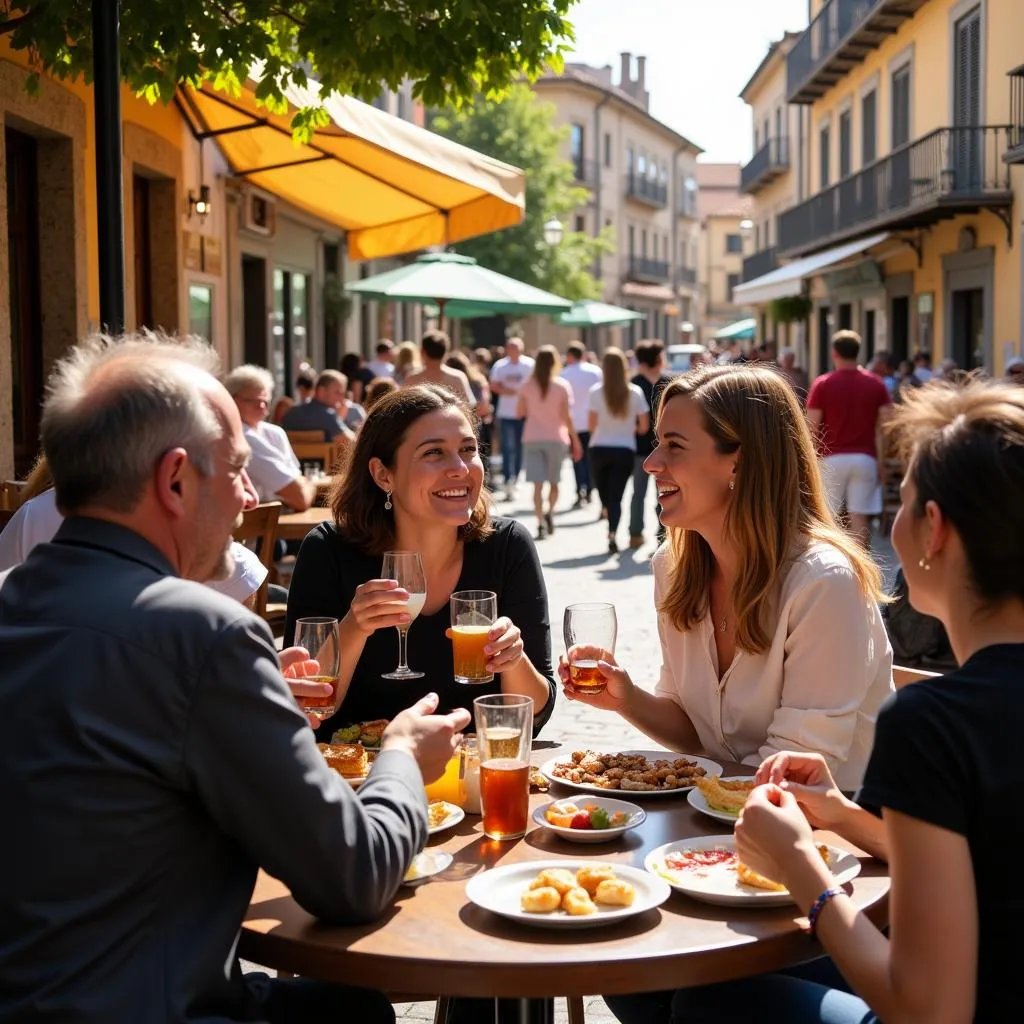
x,y
739,330
446,277
591,313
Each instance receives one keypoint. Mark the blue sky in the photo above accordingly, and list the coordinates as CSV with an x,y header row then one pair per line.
x,y
700,53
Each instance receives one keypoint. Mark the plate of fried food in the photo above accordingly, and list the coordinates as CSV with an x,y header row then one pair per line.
x,y
366,733
709,869
595,819
351,761
566,893
719,798
636,772
442,815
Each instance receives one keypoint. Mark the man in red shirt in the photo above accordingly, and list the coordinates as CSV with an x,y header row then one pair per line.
x,y
845,409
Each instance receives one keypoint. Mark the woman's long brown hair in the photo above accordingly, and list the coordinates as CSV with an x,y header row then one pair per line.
x,y
777,508
545,367
616,382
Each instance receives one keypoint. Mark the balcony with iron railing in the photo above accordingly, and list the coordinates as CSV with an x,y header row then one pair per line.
x,y
839,38
944,173
759,264
771,160
584,171
646,190
686,276
1015,150
641,268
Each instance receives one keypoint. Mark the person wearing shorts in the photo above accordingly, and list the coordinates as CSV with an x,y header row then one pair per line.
x,y
845,409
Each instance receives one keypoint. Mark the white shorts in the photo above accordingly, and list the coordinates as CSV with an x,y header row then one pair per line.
x,y
852,480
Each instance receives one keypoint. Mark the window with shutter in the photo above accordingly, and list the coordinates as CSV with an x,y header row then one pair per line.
x,y
825,143
845,143
901,106
967,143
868,128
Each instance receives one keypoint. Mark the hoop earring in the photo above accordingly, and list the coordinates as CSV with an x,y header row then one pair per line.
x,y
732,485
387,501
924,565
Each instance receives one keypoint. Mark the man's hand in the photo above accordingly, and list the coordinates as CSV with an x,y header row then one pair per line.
x,y
297,666
430,739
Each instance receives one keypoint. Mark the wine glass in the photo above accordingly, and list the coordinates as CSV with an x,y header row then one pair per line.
x,y
319,636
591,628
406,567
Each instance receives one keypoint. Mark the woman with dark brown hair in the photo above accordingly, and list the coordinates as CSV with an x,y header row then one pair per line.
x,y
414,482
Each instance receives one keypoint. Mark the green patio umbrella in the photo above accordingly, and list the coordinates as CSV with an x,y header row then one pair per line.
x,y
590,313
446,277
738,330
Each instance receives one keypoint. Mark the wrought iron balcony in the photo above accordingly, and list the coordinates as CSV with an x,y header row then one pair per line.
x,y
1015,150
942,174
771,160
643,269
759,264
686,276
840,37
584,171
646,190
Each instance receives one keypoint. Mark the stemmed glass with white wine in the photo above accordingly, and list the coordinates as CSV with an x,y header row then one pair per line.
x,y
406,568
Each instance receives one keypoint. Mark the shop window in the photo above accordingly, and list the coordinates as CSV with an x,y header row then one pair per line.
x,y
200,311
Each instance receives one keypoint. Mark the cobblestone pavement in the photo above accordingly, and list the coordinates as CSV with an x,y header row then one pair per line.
x,y
578,567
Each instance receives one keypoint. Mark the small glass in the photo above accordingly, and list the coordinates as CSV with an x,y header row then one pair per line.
x,y
504,731
471,774
406,568
473,613
449,787
319,636
590,631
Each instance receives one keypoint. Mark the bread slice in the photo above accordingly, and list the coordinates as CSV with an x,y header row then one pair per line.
x,y
348,759
728,796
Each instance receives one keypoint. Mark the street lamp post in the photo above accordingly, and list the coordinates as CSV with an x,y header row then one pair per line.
x,y
106,29
553,232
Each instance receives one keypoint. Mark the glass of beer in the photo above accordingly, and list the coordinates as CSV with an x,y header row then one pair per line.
x,y
473,614
319,636
504,730
590,631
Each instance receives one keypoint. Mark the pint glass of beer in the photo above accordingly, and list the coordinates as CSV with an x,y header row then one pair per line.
x,y
504,730
473,614
590,631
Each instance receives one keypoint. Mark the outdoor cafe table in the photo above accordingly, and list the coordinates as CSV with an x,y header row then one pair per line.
x,y
295,525
433,940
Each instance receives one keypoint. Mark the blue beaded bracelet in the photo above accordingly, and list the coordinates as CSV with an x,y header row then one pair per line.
x,y
816,908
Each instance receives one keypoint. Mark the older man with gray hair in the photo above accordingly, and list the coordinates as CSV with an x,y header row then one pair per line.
x,y
154,757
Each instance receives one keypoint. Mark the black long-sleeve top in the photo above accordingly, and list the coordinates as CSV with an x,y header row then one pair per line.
x,y
328,570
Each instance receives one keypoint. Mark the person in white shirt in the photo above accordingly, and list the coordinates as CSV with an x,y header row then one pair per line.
x,y
768,612
273,468
617,412
581,377
923,371
384,364
508,375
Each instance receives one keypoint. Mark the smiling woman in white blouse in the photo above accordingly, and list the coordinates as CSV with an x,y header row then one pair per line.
x,y
768,615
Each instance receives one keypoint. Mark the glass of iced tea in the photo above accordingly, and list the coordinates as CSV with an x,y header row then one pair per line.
x,y
319,636
504,730
590,631
473,614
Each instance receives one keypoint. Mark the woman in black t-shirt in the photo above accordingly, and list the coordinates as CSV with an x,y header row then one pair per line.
x,y
414,482
941,799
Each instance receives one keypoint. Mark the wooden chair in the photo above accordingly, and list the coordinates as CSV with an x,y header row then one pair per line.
x,y
905,676
10,494
324,453
574,1004
892,475
305,437
260,524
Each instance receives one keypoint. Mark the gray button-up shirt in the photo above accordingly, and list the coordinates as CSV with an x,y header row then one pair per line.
x,y
152,759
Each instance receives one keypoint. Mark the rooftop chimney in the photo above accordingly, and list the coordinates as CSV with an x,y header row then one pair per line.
x,y
626,71
641,93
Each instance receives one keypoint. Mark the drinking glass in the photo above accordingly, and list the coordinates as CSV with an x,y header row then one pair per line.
x,y
473,614
591,629
504,731
406,567
319,636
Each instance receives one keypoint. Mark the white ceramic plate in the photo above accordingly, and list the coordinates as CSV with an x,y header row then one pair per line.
x,y
499,889
698,801
710,767
637,815
453,817
719,884
425,865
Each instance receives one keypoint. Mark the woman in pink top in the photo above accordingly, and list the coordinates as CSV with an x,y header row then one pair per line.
x,y
544,403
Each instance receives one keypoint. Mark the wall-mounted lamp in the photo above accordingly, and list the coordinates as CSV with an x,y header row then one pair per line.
x,y
553,231
199,204
746,225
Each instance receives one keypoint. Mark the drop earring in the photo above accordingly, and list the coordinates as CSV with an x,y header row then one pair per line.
x,y
924,564
732,485
387,501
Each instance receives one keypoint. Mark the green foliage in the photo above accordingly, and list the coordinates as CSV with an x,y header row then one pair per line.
x,y
452,52
519,130
792,309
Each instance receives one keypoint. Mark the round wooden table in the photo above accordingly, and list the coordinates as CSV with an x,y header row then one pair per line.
x,y
433,940
295,525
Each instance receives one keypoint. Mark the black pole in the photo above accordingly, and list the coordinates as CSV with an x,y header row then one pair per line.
x,y
106,30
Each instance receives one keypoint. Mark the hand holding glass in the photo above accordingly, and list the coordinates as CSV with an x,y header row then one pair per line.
x,y
504,730
406,568
473,613
319,636
592,629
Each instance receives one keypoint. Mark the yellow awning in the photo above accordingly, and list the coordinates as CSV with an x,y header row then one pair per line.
x,y
392,186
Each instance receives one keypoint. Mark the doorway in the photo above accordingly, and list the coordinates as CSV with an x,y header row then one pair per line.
x,y
900,329
142,214
968,348
824,339
254,309
22,159
868,349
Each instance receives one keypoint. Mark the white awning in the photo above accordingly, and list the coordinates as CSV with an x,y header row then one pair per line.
x,y
788,280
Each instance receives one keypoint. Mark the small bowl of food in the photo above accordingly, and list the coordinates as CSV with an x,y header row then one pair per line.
x,y
591,819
